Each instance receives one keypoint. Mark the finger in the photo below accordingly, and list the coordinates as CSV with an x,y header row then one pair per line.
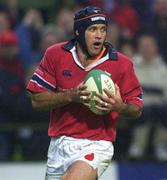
x,y
99,96
102,103
87,104
83,98
102,97
108,93
107,99
82,87
116,87
85,93
106,104
98,100
104,108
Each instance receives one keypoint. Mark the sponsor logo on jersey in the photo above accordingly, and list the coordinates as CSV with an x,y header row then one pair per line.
x,y
67,72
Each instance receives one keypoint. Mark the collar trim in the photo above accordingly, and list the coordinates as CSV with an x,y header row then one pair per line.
x,y
113,55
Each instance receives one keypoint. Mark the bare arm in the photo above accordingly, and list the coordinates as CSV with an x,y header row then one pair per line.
x,y
130,111
48,99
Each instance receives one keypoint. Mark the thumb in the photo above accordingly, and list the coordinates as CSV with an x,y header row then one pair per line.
x,y
117,90
116,87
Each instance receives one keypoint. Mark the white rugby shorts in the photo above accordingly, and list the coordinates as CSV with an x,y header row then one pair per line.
x,y
63,151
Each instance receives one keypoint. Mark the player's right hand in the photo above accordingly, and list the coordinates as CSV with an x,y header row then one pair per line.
x,y
82,95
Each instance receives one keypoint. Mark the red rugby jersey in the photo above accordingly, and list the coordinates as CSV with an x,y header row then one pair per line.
x,y
60,68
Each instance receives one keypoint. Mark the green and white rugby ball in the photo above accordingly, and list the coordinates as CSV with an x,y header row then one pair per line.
x,y
96,80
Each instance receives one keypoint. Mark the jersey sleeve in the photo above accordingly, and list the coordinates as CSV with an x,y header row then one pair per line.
x,y
131,90
43,78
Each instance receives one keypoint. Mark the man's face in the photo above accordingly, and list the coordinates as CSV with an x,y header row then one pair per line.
x,y
95,36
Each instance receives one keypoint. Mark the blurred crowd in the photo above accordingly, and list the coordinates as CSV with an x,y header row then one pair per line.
x,y
136,28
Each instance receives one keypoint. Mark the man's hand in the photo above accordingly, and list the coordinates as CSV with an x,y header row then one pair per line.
x,y
114,103
110,102
81,95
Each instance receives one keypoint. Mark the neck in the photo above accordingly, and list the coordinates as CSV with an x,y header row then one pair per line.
x,y
81,54
85,59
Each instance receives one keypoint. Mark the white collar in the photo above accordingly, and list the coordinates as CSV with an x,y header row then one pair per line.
x,y
89,67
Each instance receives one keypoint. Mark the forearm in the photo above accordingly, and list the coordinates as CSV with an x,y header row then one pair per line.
x,y
48,99
130,111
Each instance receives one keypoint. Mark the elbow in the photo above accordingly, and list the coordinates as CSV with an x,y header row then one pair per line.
x,y
36,102
39,105
137,113
35,105
132,112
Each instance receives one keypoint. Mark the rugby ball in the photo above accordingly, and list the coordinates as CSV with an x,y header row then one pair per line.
x,y
96,80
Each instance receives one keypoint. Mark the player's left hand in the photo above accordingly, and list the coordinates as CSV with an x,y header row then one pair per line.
x,y
110,102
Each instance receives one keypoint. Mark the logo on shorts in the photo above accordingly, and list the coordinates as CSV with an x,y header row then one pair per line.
x,y
89,157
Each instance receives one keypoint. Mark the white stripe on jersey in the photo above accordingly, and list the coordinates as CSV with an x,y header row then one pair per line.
x,y
36,83
44,80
